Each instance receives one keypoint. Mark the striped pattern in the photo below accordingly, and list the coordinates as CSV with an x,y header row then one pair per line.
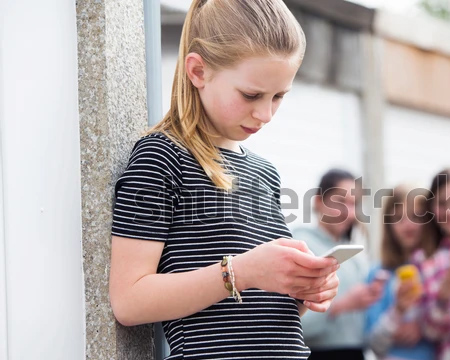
x,y
164,195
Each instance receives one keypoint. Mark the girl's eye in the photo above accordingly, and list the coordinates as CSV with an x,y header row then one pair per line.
x,y
254,97
249,97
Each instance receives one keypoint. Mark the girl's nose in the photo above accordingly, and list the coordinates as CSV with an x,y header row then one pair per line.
x,y
263,112
351,212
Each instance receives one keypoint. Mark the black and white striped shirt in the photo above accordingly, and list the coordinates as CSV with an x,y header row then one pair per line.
x,y
164,195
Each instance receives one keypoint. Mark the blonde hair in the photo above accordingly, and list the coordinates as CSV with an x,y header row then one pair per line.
x,y
223,33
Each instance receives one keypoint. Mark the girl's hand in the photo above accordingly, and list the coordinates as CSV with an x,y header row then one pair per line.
x,y
406,296
360,297
286,266
319,299
407,334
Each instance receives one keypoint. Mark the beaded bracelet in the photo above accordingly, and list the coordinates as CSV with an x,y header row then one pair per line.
x,y
236,294
226,275
229,278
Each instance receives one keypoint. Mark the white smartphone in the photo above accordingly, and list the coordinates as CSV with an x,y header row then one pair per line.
x,y
343,252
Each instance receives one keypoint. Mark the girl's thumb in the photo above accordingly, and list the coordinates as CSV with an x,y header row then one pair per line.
x,y
296,244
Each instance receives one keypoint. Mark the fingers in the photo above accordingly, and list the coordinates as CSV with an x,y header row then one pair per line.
x,y
406,296
313,262
302,286
320,295
318,307
306,264
305,272
405,287
304,257
296,244
318,285
376,288
293,270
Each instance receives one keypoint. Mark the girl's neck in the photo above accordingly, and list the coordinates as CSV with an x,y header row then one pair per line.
x,y
407,253
227,144
222,142
336,237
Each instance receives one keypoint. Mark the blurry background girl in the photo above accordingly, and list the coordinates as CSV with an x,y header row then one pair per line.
x,y
338,334
393,327
434,264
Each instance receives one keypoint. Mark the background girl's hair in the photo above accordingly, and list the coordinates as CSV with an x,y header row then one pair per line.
x,y
223,33
332,178
433,231
392,254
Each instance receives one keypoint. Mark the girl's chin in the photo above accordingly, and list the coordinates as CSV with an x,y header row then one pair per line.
x,y
338,230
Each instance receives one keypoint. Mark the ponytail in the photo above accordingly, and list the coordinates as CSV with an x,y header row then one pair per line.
x,y
186,121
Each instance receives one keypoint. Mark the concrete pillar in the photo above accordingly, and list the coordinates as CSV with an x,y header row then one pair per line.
x,y
113,114
373,104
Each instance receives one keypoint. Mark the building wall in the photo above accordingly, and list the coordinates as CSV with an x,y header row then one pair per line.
x,y
416,78
416,145
416,84
40,151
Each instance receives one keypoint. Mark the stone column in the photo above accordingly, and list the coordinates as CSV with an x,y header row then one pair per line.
x,y
113,114
373,106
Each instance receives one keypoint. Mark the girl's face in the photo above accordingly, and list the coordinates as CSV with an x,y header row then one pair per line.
x,y
337,208
241,100
442,208
407,227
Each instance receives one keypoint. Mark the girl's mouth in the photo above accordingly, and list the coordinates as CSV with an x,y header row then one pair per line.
x,y
249,130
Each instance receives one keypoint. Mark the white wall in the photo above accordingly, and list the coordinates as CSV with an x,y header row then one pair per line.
x,y
416,146
41,181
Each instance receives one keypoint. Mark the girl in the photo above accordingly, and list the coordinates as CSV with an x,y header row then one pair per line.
x,y
392,328
199,241
339,333
435,266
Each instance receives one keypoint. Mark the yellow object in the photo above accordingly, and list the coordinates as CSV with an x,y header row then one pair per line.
x,y
410,273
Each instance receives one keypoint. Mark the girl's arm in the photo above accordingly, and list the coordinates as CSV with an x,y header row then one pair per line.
x,y
139,295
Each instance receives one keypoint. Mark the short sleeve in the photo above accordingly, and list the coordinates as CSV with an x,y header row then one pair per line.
x,y
147,192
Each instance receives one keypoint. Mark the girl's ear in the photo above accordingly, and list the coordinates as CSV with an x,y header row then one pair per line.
x,y
196,70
